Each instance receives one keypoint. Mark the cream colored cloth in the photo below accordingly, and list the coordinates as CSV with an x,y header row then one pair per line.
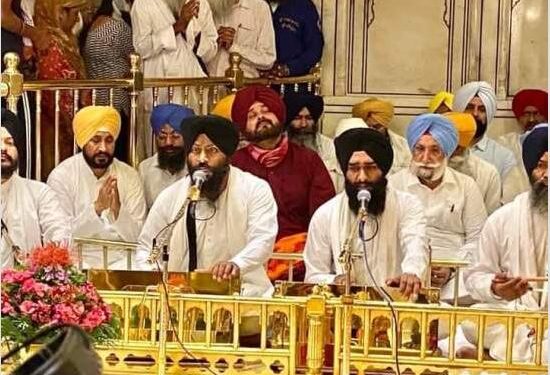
x,y
155,179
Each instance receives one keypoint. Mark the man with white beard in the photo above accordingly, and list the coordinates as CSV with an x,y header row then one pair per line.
x,y
453,205
513,249
463,160
244,27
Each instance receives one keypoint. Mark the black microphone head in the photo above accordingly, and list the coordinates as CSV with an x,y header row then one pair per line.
x,y
364,195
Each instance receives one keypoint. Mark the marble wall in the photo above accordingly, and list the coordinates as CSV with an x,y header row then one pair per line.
x,y
405,51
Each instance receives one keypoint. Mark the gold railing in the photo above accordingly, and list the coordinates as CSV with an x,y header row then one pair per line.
x,y
208,89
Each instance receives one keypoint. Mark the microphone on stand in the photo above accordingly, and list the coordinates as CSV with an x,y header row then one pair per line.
x,y
364,197
199,177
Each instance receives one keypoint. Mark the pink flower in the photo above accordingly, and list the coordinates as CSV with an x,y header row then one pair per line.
x,y
28,307
94,319
7,308
31,286
64,313
42,313
15,277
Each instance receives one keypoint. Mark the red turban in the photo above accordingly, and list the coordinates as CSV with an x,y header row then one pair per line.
x,y
251,94
527,97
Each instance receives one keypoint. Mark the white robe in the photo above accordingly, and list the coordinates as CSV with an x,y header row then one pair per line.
x,y
156,179
399,247
33,217
77,188
401,152
455,214
514,240
327,153
242,230
517,182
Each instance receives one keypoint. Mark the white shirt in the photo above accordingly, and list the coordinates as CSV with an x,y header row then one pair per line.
x,y
400,245
401,152
32,215
502,158
327,153
78,187
242,229
517,182
254,38
156,179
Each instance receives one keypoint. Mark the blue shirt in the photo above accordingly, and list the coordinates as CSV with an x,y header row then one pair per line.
x,y
492,152
298,36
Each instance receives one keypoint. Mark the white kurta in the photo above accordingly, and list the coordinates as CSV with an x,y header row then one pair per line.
x,y
254,38
401,152
455,214
242,229
77,188
514,240
496,154
156,179
327,153
487,179
32,215
517,182
399,247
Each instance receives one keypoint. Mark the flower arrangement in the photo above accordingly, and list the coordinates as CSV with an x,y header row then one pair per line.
x,y
49,290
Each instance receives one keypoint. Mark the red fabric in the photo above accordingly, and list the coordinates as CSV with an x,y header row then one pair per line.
x,y
300,184
278,269
269,158
255,93
527,97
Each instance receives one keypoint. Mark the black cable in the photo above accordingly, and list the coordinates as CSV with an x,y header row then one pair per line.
x,y
381,291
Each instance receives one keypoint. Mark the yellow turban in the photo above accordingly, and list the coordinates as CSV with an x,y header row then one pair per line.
x,y
442,97
223,106
465,125
95,118
379,110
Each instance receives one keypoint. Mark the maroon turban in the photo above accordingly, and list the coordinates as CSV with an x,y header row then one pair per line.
x,y
251,94
527,97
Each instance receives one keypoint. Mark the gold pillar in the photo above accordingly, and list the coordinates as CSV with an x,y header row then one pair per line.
x,y
13,79
315,311
136,88
234,72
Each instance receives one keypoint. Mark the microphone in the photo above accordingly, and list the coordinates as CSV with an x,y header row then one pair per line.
x,y
363,196
199,177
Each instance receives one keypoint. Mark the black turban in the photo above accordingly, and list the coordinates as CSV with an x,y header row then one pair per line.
x,y
296,101
222,132
376,145
11,122
534,146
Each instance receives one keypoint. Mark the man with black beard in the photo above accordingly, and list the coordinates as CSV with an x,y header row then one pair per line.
x,y
513,249
30,210
103,195
167,165
397,254
231,229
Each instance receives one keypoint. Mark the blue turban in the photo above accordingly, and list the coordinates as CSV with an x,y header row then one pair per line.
x,y
171,114
534,146
438,126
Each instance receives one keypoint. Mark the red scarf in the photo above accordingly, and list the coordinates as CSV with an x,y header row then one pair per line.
x,y
269,158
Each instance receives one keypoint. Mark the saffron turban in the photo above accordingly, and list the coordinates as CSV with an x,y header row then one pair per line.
x,y
438,126
536,98
379,110
245,98
222,132
12,124
442,97
92,119
483,90
171,114
349,123
465,125
534,146
376,145
223,106
295,102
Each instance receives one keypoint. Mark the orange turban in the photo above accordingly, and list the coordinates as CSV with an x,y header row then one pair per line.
x,y
223,107
465,125
95,118
379,110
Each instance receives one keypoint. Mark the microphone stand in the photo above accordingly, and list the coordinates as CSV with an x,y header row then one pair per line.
x,y
164,311
18,258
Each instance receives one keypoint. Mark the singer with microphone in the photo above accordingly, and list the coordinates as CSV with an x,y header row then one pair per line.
x,y
393,225
221,219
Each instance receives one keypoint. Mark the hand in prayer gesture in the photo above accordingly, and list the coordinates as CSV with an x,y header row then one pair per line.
x,y
225,270
187,12
408,283
440,276
509,288
226,36
106,197
115,199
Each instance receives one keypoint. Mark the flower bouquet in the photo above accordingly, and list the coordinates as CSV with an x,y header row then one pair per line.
x,y
48,289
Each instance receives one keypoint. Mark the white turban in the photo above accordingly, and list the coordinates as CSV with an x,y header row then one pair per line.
x,y
478,88
349,123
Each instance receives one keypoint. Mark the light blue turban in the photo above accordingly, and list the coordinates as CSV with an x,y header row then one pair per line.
x,y
438,126
171,114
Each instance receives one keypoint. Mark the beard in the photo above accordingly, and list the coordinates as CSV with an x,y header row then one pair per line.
x,y
428,171
539,196
171,158
481,128
265,129
212,187
8,170
460,163
100,160
378,196
220,7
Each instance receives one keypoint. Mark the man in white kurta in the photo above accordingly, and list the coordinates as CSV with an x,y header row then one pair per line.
x,y
103,195
167,165
397,255
453,205
512,249
244,27
235,221
30,210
